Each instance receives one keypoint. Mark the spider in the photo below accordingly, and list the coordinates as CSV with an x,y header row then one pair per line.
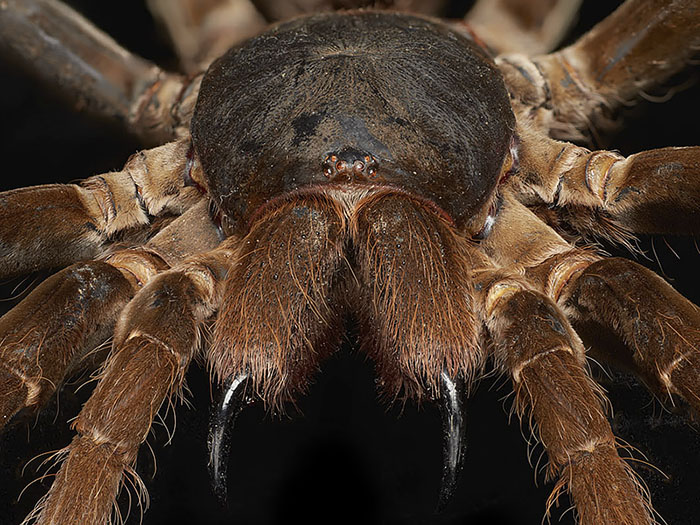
x,y
484,240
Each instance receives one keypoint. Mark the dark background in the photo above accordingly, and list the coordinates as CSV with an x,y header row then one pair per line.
x,y
342,455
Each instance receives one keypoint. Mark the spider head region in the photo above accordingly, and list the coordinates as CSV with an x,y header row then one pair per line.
x,y
365,97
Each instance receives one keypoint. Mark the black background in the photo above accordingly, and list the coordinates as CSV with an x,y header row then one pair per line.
x,y
342,455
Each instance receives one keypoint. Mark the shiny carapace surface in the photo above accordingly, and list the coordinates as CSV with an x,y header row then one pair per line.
x,y
354,98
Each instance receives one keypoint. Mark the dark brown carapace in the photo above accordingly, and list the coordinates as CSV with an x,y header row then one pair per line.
x,y
419,101
365,167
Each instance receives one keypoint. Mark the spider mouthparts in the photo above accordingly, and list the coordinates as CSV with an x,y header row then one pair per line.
x,y
453,428
231,402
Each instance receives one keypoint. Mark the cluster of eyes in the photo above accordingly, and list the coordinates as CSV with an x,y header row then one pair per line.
x,y
333,165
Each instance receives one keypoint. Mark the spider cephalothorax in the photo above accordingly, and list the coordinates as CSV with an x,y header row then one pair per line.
x,y
363,167
437,124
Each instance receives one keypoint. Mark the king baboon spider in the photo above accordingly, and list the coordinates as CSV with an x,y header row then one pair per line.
x,y
471,242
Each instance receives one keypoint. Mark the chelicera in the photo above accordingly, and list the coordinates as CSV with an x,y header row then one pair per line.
x,y
372,166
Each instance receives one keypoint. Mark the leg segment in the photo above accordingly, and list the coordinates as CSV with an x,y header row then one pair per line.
x,y
659,327
280,314
154,342
68,315
63,49
521,26
44,337
275,11
601,193
518,239
203,31
58,224
407,255
572,92
534,342
523,243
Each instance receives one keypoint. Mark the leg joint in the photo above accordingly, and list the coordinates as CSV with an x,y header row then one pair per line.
x,y
517,370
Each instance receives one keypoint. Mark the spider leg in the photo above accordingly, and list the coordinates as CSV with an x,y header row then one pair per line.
x,y
155,340
274,11
605,194
57,224
574,91
203,31
72,312
529,27
535,344
658,326
527,319
656,330
64,50
37,343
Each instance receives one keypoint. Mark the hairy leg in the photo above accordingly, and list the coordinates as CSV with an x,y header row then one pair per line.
x,y
658,328
202,31
602,193
65,50
155,340
534,343
522,26
58,224
573,93
49,333
64,318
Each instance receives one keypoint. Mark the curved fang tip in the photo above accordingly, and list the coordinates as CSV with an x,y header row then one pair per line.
x,y
453,428
231,402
